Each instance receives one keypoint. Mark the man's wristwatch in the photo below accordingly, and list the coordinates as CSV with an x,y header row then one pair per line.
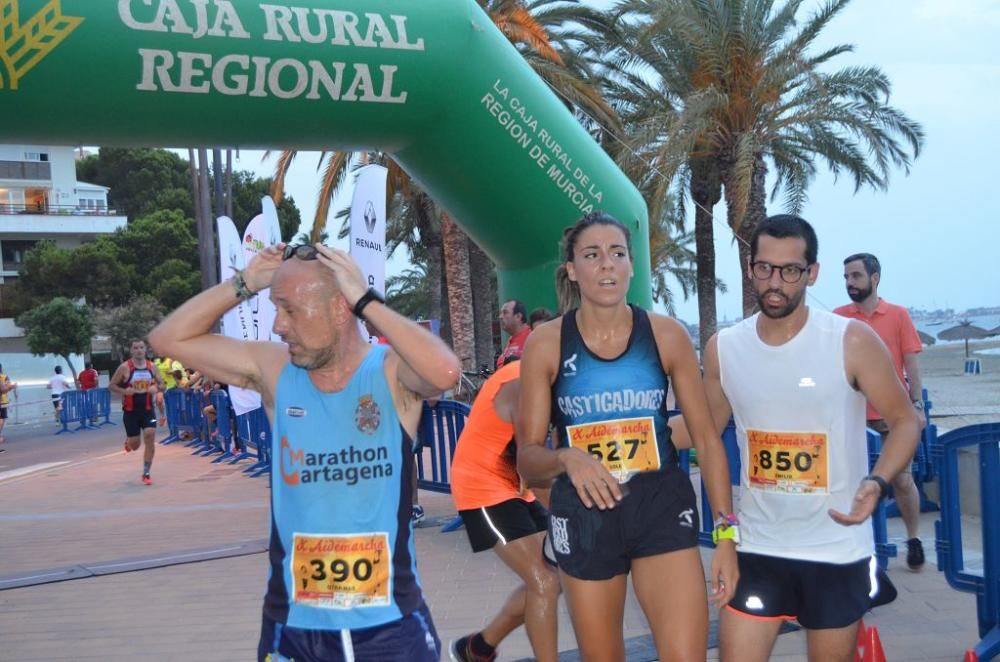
x,y
883,485
366,298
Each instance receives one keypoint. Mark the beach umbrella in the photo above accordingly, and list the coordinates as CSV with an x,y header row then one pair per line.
x,y
926,338
966,331
995,331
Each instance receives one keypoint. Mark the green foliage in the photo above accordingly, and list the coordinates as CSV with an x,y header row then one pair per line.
x,y
173,282
93,270
123,323
156,253
142,180
409,293
158,247
248,189
58,327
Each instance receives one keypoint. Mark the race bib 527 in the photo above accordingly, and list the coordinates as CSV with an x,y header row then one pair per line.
x,y
625,446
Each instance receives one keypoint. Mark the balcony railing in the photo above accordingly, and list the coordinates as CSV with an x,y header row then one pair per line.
x,y
25,170
55,210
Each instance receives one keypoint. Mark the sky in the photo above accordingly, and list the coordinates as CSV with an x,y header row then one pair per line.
x,y
935,230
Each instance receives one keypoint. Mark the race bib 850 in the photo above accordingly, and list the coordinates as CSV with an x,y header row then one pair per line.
x,y
791,462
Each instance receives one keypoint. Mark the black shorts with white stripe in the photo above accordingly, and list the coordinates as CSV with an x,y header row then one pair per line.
x,y
503,522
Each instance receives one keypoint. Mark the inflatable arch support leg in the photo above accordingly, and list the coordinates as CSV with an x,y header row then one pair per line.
x,y
433,83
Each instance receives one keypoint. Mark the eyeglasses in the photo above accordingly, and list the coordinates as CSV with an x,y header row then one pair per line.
x,y
301,251
790,273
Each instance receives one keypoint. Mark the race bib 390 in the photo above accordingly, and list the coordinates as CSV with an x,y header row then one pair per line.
x,y
341,571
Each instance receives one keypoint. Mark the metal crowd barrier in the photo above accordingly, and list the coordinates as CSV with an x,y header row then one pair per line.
x,y
923,464
440,427
179,423
232,438
985,438
254,431
85,408
221,430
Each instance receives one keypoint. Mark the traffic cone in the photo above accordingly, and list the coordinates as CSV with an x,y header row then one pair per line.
x,y
869,645
970,656
873,646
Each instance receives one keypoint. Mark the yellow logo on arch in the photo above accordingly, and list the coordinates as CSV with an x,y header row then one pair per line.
x,y
23,45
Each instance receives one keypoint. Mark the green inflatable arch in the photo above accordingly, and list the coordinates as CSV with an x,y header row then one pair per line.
x,y
433,83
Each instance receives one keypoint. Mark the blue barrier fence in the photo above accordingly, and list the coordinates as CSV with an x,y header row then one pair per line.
x,y
254,433
232,438
442,423
440,426
985,438
935,459
85,408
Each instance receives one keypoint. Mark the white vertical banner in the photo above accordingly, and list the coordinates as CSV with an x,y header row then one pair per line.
x,y
238,321
368,227
262,231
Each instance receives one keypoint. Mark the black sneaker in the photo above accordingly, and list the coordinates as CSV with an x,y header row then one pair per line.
x,y
460,650
417,513
914,554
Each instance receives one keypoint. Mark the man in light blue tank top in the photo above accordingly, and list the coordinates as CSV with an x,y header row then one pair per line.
x,y
343,582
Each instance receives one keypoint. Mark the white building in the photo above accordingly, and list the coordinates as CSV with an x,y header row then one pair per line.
x,y
40,198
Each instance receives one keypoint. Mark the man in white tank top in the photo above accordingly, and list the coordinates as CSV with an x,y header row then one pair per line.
x,y
796,380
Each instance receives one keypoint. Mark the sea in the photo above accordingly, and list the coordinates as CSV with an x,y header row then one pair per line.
x,y
31,402
934,326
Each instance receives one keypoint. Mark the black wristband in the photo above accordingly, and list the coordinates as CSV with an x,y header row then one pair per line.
x,y
883,486
366,298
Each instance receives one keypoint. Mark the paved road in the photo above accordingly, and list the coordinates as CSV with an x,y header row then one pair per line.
x,y
94,510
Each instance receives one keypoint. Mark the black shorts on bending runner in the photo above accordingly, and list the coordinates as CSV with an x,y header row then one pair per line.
x,y
503,522
135,421
410,639
659,514
817,595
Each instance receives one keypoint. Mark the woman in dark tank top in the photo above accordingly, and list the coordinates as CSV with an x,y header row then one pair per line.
x,y
619,502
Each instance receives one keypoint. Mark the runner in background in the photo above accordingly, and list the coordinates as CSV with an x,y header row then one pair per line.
x,y
501,514
58,384
138,381
6,387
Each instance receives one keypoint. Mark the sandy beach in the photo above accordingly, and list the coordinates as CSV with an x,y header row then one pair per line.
x,y
959,399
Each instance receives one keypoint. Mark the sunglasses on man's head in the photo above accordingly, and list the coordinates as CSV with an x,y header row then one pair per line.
x,y
301,251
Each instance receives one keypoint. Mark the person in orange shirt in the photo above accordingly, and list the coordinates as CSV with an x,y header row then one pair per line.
x,y
892,323
502,515
514,322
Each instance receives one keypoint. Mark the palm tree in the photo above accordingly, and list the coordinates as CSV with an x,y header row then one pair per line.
x,y
650,82
756,96
671,255
531,27
408,292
